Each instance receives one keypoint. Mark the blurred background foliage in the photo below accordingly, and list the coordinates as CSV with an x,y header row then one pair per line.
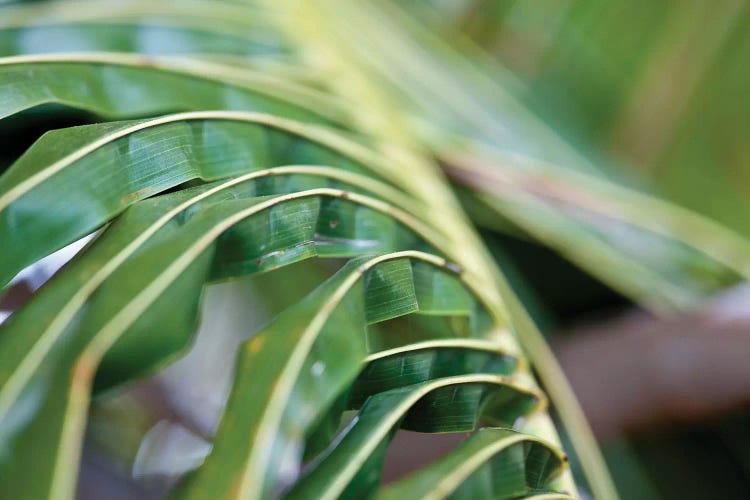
x,y
655,89
655,93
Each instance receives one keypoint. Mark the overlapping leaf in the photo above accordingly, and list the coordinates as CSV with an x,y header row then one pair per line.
x,y
156,286
452,404
146,270
493,463
321,345
129,161
403,330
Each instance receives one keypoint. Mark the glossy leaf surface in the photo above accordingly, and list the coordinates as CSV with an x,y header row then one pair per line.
x,y
129,161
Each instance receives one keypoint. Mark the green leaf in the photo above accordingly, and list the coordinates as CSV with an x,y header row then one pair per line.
x,y
155,286
118,85
399,367
147,38
415,361
342,228
137,26
224,16
492,463
647,250
351,468
128,303
318,348
87,175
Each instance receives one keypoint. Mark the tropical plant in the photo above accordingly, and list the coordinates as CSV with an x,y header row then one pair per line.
x,y
221,140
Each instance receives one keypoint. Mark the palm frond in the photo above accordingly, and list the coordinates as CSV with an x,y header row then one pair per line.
x,y
145,271
263,134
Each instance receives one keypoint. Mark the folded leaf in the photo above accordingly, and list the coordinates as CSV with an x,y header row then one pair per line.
x,y
493,463
158,289
318,348
74,180
352,468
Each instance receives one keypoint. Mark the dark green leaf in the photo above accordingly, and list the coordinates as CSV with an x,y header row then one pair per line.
x,y
494,463
84,176
351,469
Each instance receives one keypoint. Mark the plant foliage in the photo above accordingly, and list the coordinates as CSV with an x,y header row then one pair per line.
x,y
225,140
